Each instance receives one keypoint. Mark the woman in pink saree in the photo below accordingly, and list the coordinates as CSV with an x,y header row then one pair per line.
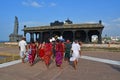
x,y
59,53
32,53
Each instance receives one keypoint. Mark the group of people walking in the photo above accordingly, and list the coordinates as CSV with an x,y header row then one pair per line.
x,y
57,50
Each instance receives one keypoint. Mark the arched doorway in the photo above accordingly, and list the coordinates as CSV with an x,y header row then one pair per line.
x,y
68,35
46,36
93,33
80,35
56,33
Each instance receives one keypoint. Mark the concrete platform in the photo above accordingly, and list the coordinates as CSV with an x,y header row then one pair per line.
x,y
86,70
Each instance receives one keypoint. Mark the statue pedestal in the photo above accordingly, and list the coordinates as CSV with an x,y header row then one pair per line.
x,y
15,38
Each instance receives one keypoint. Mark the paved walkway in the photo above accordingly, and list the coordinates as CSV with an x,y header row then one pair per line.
x,y
93,65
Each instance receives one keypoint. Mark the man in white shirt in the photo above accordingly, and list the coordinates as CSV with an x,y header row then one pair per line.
x,y
23,48
75,53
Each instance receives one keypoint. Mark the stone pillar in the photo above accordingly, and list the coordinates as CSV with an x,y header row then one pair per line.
x,y
36,37
39,39
99,38
73,35
51,33
87,37
31,37
24,34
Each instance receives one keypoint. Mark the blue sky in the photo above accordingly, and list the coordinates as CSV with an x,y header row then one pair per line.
x,y
42,12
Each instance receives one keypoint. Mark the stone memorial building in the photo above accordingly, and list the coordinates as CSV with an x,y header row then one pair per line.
x,y
67,29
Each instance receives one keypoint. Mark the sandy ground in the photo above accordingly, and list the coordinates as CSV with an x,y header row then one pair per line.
x,y
9,49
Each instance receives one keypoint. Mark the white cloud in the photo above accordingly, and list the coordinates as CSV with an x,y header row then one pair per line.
x,y
37,4
112,27
53,4
32,3
116,20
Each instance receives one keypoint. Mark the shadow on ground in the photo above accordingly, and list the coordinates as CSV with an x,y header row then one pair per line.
x,y
116,67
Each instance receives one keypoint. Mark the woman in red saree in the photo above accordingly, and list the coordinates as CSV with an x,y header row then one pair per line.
x,y
48,53
41,49
32,52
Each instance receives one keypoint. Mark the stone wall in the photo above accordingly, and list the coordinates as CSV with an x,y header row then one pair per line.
x,y
102,45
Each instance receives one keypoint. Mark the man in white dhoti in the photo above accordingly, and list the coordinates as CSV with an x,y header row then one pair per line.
x,y
75,53
23,48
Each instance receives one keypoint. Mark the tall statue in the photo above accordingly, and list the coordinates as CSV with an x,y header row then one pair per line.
x,y
16,25
15,37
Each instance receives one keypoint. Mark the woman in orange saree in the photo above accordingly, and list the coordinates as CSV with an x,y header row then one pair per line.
x,y
48,53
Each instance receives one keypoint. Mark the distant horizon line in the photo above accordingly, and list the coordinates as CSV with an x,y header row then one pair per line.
x,y
4,41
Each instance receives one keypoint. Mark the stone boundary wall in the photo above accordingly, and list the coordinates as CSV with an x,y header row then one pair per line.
x,y
11,43
102,45
84,45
